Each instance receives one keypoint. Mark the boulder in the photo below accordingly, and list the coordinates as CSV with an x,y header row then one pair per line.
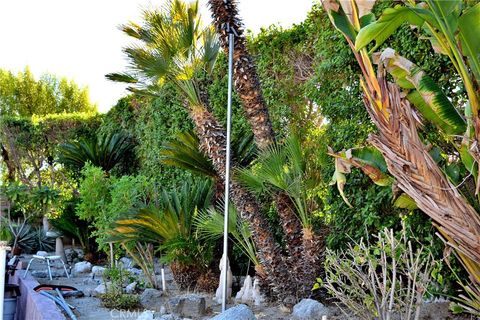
x,y
97,271
151,299
100,289
82,267
42,253
188,305
126,262
131,287
240,312
309,309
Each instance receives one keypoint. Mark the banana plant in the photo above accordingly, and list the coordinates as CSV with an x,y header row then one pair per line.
x,y
453,30
408,159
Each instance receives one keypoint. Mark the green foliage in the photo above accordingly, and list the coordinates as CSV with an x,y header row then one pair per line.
x,y
103,151
120,301
23,95
170,224
103,199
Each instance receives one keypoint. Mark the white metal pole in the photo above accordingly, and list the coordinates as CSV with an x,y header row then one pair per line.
x,y
227,169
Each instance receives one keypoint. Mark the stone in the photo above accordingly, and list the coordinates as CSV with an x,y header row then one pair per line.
x,y
240,312
76,293
88,292
97,271
151,299
82,267
257,296
135,271
146,315
219,292
126,262
309,309
245,293
100,289
131,287
73,254
188,305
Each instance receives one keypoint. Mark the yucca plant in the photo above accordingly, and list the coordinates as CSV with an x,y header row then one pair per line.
x,y
453,31
104,151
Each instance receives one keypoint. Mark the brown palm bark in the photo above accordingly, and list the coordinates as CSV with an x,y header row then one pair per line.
x,y
247,86
417,174
212,138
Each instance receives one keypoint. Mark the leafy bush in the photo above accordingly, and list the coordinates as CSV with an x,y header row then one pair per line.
x,y
382,279
120,301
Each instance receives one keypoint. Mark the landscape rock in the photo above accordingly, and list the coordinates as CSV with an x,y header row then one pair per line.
x,y
42,253
76,293
135,271
88,292
146,315
73,254
126,262
309,309
151,299
188,305
100,289
240,312
131,287
82,267
97,271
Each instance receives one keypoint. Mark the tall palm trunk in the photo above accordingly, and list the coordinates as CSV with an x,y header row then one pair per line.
x,y
212,138
303,260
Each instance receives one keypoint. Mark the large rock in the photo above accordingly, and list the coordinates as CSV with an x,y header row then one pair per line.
x,y
98,271
240,312
101,289
151,299
126,262
131,287
309,309
188,305
82,267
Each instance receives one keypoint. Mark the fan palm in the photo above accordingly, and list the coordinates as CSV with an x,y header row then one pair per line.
x,y
174,47
104,151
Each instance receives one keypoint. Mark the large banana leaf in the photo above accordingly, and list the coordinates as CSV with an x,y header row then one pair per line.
x,y
389,22
426,95
469,27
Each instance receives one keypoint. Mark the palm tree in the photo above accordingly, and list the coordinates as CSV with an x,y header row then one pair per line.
x,y
103,151
248,87
283,170
175,48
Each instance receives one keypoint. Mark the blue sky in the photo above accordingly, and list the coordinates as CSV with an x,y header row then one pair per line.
x,y
80,39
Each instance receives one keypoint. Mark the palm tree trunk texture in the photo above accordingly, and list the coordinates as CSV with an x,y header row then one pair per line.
x,y
247,86
213,141
417,173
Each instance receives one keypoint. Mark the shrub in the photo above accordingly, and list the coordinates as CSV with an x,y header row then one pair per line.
x,y
379,280
121,301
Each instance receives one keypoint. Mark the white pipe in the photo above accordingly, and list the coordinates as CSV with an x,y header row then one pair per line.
x,y
227,169
164,286
3,258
